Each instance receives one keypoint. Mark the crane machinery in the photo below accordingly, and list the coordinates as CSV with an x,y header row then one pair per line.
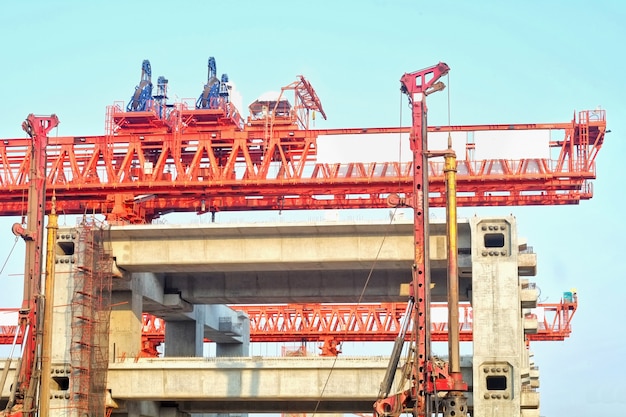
x,y
143,91
215,90
207,159
211,160
160,98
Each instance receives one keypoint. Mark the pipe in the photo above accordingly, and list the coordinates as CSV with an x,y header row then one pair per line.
x,y
18,369
7,363
453,274
455,401
385,386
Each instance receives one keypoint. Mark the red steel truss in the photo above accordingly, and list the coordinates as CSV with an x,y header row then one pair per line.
x,y
347,322
377,322
211,160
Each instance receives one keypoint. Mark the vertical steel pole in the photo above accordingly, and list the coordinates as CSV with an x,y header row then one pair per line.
x,y
46,349
37,128
417,86
453,271
455,402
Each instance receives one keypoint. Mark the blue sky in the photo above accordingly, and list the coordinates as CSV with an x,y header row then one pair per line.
x,y
511,62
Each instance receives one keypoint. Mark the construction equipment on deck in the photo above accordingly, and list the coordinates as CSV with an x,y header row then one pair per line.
x,y
143,91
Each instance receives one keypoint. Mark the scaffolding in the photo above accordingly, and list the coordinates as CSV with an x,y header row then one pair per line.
x,y
90,311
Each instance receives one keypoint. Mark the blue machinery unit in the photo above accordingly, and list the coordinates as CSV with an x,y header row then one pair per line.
x,y
215,90
143,91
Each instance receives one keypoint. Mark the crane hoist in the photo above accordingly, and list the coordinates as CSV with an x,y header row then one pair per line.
x,y
143,91
216,90
427,375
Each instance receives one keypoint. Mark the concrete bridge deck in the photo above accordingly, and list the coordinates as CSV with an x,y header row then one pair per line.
x,y
291,262
264,384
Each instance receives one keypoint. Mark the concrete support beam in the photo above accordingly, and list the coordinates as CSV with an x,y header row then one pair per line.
x,y
234,349
229,329
187,324
222,324
302,262
264,246
238,385
291,286
295,262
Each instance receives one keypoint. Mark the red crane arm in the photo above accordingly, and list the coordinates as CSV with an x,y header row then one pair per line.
x,y
362,322
375,322
137,172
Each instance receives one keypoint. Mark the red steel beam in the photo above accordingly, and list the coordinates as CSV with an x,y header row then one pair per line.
x,y
346,322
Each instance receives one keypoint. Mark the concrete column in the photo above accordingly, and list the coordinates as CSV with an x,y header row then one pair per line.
x,y
172,412
497,318
125,328
183,338
65,270
149,409
143,409
229,415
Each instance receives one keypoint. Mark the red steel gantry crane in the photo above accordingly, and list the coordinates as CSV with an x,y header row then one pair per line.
x,y
210,160
346,322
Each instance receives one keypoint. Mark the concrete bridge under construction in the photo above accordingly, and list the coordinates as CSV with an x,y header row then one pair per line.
x,y
186,275
251,384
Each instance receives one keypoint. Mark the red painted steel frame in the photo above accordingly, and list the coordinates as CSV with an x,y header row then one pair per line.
x,y
204,162
348,322
30,316
417,86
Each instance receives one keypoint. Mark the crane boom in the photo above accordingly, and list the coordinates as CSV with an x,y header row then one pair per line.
x,y
417,85
427,376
